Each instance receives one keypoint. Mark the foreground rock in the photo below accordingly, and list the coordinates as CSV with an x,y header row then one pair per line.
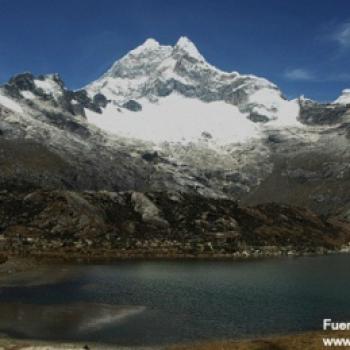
x,y
93,225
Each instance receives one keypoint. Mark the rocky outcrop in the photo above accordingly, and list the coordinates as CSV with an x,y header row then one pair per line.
x,y
81,98
132,105
147,209
258,118
167,224
312,113
69,101
24,82
100,100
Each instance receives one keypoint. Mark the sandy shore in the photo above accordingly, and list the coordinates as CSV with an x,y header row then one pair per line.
x,y
13,344
7,343
301,341
16,265
23,271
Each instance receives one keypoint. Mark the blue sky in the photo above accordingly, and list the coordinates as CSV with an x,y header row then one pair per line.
x,y
303,46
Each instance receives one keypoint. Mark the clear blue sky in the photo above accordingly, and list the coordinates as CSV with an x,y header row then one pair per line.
x,y
303,46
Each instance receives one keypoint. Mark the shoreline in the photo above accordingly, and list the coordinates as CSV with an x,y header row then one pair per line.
x,y
310,340
14,263
91,255
10,343
64,225
116,256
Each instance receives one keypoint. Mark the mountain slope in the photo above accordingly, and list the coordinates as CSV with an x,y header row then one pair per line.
x,y
102,225
47,142
162,118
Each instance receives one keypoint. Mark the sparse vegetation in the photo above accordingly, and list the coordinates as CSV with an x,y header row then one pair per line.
x,y
102,225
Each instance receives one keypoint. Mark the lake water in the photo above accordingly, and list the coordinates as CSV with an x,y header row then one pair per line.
x,y
161,302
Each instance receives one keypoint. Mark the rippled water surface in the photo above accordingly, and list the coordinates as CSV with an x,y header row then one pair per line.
x,y
149,303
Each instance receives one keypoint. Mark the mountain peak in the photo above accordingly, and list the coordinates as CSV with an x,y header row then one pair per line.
x,y
184,44
149,44
153,72
184,41
344,98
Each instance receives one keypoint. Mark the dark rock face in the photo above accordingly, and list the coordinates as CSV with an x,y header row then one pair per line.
x,y
83,99
67,124
23,81
167,223
132,105
207,135
66,103
275,138
258,118
35,166
313,175
321,114
73,102
150,156
100,100
3,259
20,82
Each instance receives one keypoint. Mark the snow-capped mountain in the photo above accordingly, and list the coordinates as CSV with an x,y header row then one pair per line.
x,y
162,118
182,97
344,98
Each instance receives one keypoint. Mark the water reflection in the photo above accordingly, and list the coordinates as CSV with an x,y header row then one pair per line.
x,y
27,320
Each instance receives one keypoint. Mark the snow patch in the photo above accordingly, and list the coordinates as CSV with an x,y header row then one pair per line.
x,y
270,103
177,119
28,95
10,104
49,87
116,88
344,98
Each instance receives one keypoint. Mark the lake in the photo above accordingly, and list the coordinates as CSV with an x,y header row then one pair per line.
x,y
161,302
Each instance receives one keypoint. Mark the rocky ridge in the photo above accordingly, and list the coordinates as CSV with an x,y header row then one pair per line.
x,y
94,225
